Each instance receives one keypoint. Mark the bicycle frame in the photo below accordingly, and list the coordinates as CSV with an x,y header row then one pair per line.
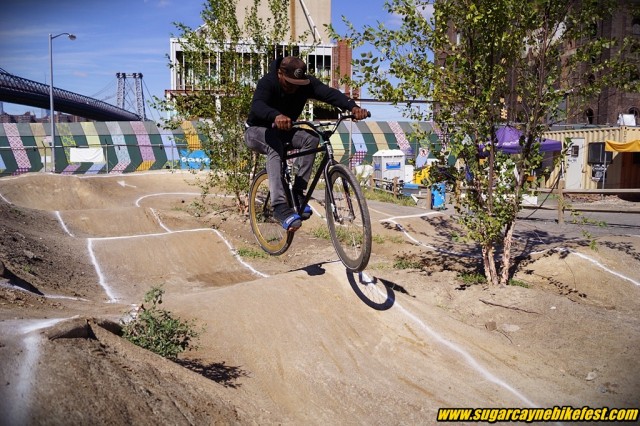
x,y
346,209
326,162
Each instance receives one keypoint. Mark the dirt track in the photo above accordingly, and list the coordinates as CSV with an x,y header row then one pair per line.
x,y
296,339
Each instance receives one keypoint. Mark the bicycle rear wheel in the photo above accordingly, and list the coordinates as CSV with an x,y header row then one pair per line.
x,y
348,218
267,229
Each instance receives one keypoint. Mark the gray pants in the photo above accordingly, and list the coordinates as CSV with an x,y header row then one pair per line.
x,y
271,142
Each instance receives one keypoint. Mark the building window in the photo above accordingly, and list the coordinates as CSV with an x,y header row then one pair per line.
x,y
598,155
636,113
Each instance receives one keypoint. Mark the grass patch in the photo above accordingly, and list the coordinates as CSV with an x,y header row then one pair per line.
x,y
381,239
378,239
251,253
518,283
402,262
386,197
321,232
472,278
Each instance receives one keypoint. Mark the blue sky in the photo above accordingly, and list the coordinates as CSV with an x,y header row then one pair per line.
x,y
116,36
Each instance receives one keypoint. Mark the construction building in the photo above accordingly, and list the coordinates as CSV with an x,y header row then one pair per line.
x,y
307,37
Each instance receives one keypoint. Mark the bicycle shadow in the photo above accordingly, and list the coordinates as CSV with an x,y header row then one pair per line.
x,y
377,293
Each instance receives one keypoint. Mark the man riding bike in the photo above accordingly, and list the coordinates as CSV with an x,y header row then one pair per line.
x,y
278,100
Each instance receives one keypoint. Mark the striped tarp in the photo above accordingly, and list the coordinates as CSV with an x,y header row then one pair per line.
x,y
133,146
128,146
356,142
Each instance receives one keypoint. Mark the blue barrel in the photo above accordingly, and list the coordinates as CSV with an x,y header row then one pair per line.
x,y
438,196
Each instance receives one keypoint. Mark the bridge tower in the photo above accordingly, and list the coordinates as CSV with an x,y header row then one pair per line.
x,y
122,91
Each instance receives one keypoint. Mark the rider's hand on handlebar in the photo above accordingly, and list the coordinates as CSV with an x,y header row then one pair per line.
x,y
360,113
282,122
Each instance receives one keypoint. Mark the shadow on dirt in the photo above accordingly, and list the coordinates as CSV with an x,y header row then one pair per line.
x,y
12,280
312,270
218,372
447,251
626,248
377,293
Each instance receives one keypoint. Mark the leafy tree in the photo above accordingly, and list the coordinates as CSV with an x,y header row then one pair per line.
x,y
223,59
473,59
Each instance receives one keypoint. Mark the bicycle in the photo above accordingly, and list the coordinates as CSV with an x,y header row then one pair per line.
x,y
346,209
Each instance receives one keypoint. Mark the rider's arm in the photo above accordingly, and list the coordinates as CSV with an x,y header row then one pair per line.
x,y
260,106
334,97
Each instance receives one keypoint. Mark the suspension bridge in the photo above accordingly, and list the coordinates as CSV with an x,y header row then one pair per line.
x,y
19,90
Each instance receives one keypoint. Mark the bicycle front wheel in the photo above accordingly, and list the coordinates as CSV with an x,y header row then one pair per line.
x,y
267,229
348,218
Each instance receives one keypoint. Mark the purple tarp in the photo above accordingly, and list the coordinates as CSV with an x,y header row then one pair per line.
x,y
509,141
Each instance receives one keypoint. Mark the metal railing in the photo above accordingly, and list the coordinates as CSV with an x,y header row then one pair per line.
x,y
563,204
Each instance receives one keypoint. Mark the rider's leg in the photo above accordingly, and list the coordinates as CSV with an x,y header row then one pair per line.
x,y
267,141
304,140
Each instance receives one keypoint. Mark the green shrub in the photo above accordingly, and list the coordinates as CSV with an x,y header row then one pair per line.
x,y
386,197
472,278
518,283
251,253
157,330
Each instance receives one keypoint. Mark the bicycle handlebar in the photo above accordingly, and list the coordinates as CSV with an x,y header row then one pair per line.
x,y
315,125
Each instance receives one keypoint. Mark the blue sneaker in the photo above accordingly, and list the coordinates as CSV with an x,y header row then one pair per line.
x,y
306,208
289,219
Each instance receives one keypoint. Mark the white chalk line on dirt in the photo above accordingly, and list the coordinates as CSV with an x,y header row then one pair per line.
x,y
46,296
392,219
64,225
587,258
160,194
237,256
470,360
101,278
420,243
120,175
157,217
598,264
227,243
466,356
26,372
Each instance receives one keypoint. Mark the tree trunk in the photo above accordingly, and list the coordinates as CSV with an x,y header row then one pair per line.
x,y
489,264
506,253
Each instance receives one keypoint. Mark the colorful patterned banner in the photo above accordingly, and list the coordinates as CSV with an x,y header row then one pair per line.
x,y
132,146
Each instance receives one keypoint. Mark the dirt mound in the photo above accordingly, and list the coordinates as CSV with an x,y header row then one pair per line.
x,y
296,339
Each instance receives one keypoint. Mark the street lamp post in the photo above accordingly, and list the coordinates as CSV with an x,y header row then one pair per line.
x,y
51,112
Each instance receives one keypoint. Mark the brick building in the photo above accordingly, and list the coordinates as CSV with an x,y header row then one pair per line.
x,y
611,103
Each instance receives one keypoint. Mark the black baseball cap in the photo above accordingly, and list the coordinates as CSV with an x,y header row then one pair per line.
x,y
294,70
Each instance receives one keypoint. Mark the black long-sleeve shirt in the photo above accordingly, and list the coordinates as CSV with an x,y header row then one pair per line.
x,y
269,100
